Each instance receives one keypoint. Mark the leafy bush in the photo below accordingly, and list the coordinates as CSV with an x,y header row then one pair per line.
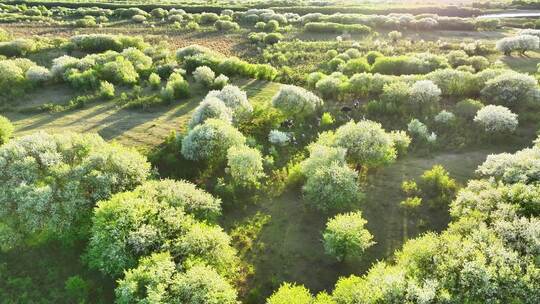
x,y
138,19
330,87
226,26
6,130
366,142
271,26
401,141
221,81
119,71
44,199
330,27
97,43
106,90
371,56
211,140
420,132
289,293
296,102
353,66
468,108
204,75
453,82
177,87
154,80
321,156
332,187
394,36
437,186
245,165
272,38
496,119
345,236
38,74
17,48
159,216
209,18
510,89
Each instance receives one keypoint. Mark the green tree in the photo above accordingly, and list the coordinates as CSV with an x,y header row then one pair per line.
x,y
345,236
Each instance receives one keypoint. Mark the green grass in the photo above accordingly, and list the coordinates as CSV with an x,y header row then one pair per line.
x,y
139,128
289,247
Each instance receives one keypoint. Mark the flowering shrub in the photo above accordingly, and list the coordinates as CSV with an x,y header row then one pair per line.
x,y
221,81
521,43
226,26
278,138
496,119
158,216
329,86
235,99
211,140
321,156
424,96
204,75
210,107
332,187
38,74
510,89
50,183
296,102
245,165
444,117
401,141
366,142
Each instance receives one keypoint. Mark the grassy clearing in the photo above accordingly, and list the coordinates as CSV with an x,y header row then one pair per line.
x,y
289,245
140,128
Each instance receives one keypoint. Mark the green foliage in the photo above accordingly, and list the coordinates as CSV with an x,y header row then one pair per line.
x,y
156,280
158,216
330,27
119,71
296,102
353,66
468,108
211,140
437,187
345,236
366,142
177,87
17,48
51,182
245,165
154,80
332,187
6,130
106,90
510,89
291,294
